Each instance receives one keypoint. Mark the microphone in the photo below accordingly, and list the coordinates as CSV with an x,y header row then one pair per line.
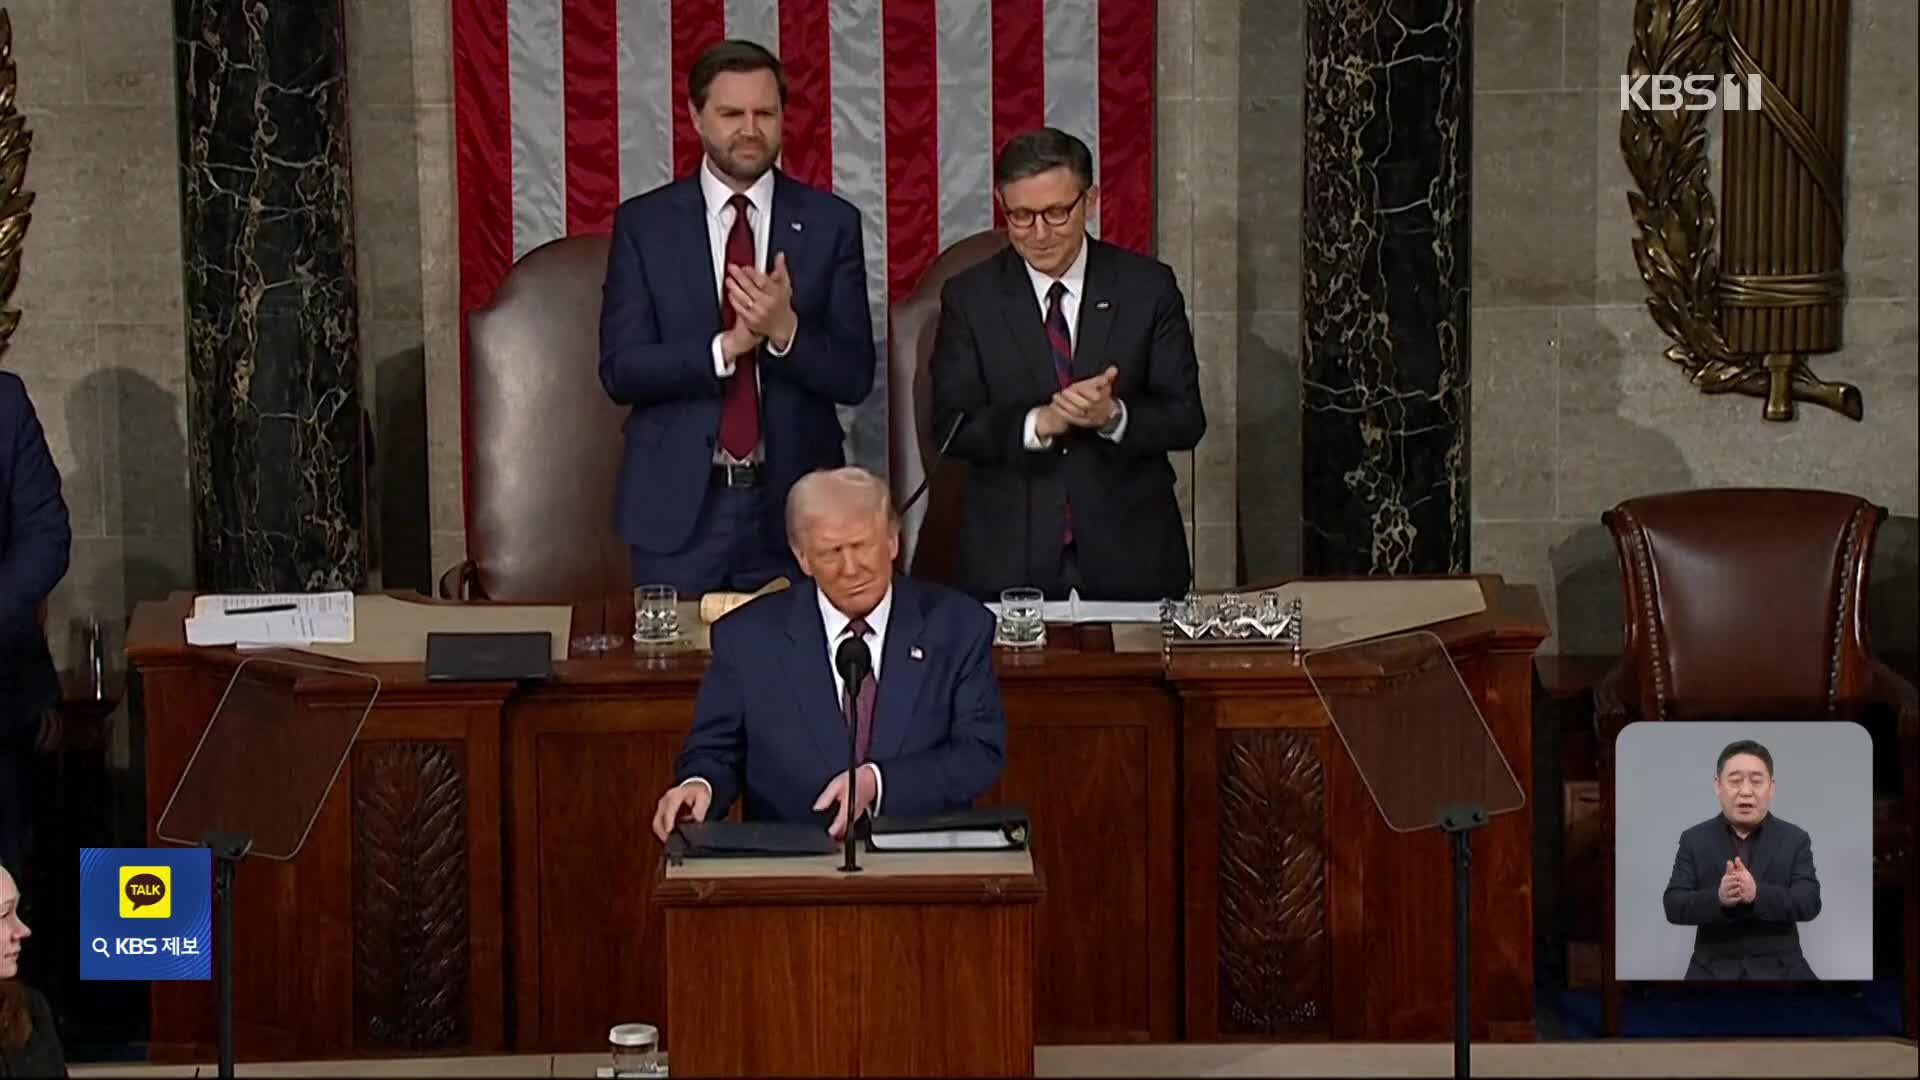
x,y
854,662
939,457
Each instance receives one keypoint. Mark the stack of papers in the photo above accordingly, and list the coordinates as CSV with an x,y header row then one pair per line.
x,y
264,619
1076,610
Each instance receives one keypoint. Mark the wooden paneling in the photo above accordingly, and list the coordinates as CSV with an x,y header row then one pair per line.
x,y
410,890
878,986
1272,951
1175,800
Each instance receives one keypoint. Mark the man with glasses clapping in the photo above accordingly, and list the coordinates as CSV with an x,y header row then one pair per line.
x,y
1068,366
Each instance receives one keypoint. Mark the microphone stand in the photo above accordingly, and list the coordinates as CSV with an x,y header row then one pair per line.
x,y
933,466
850,866
855,665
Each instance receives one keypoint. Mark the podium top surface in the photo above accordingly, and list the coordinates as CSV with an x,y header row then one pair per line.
x,y
884,877
1511,620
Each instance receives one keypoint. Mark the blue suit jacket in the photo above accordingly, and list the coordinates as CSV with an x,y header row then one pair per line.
x,y
766,723
658,317
35,540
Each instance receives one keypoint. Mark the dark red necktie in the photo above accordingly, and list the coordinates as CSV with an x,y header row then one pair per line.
x,y
1060,344
740,405
861,709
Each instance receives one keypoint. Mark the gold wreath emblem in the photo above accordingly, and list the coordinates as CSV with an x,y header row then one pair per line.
x,y
1666,153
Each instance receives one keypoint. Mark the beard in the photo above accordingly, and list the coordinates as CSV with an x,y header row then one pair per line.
x,y
731,162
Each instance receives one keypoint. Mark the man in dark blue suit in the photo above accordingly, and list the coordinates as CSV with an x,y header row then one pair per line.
x,y
734,319
770,721
35,540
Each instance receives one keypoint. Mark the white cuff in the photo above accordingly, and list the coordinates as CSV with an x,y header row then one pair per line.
x,y
701,780
722,363
1116,428
782,352
879,789
1030,434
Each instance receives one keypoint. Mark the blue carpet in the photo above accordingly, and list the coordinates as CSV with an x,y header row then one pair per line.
x,y
1840,1010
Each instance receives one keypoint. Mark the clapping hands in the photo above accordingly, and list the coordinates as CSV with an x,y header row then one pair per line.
x,y
1088,403
1736,884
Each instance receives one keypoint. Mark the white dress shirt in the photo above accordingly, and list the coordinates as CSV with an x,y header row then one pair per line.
x,y
1075,279
720,217
835,622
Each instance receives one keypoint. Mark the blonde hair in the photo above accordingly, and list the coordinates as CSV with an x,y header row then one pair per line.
x,y
848,490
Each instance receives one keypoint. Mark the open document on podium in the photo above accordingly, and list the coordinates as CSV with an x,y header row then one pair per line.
x,y
991,828
271,619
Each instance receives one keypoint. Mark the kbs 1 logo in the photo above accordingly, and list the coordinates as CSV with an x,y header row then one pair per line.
x,y
1690,93
146,913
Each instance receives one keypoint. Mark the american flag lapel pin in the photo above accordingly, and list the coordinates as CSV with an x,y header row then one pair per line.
x,y
797,226
916,653
1103,305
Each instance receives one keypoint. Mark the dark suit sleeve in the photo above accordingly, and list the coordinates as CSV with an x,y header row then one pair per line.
x,y
992,433
714,747
1691,901
636,367
834,360
1166,415
39,539
1796,901
967,762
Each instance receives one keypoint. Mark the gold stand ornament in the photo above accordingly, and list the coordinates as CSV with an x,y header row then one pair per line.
x,y
15,204
1744,321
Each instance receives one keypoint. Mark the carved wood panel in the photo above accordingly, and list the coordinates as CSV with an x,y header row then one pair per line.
x,y
1273,874
410,885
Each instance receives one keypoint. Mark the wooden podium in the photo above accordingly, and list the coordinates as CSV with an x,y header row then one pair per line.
x,y
918,965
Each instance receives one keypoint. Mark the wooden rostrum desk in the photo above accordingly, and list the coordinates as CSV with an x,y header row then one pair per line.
x,y
479,880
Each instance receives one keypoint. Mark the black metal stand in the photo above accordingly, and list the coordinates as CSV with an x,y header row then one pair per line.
x,y
851,865
1458,822
228,849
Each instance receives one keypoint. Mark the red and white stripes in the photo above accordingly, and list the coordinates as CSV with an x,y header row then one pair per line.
x,y
565,107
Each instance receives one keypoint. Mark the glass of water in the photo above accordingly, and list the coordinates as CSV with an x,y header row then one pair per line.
x,y
1022,623
634,1049
656,614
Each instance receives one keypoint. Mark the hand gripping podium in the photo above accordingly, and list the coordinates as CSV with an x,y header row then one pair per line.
x,y
258,779
920,965
1426,756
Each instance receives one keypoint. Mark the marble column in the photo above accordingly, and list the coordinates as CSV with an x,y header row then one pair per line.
x,y
273,384
1386,276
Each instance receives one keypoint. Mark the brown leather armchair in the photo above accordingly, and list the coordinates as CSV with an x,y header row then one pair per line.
x,y
543,439
1702,571
911,440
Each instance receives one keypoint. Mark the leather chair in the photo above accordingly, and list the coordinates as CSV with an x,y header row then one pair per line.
x,y
542,437
1749,604
911,440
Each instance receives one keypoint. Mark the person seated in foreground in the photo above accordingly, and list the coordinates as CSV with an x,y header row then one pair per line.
x,y
770,719
29,1045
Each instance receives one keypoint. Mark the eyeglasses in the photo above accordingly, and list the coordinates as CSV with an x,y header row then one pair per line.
x,y
1052,215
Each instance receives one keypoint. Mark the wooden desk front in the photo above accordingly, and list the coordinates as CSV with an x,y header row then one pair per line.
x,y
480,879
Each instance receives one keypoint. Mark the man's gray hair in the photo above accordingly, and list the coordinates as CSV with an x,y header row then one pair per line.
x,y
849,490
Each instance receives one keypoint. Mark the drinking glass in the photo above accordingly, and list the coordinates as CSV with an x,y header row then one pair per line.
x,y
656,614
633,1049
1022,623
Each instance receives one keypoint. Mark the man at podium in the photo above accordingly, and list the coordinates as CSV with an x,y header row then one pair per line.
x,y
771,721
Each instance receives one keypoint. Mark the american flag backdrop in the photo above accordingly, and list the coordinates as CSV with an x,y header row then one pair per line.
x,y
563,108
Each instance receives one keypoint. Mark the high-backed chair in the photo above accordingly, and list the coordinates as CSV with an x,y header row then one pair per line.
x,y
1750,604
542,437
927,535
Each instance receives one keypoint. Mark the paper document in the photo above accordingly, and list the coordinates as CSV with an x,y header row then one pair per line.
x,y
1076,610
957,840
271,619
